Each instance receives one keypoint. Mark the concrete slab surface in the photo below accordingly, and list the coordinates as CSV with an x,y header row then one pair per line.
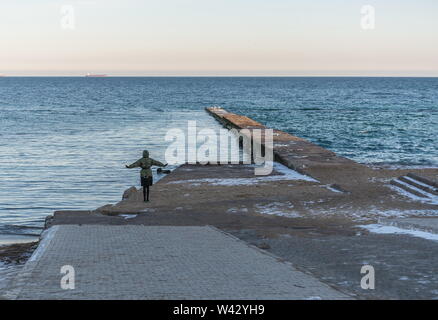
x,y
159,262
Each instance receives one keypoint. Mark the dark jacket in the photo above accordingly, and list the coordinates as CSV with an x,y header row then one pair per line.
x,y
145,164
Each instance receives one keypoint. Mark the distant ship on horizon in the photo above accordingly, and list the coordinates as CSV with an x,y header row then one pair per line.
x,y
91,75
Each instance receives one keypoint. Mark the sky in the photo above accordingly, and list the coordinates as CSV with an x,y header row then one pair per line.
x,y
220,37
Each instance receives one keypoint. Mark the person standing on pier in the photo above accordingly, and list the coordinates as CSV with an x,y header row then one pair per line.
x,y
145,163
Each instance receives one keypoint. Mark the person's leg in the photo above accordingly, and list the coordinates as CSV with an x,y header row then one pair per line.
x,y
144,193
148,193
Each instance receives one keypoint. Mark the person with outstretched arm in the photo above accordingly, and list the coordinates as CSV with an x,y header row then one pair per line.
x,y
145,163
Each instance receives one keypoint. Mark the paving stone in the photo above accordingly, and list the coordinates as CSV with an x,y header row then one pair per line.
x,y
159,262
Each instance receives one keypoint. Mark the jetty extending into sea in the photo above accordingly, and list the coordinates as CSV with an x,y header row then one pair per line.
x,y
220,232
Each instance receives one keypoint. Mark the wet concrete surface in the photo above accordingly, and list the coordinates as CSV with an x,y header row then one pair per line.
x,y
300,221
333,250
405,267
160,262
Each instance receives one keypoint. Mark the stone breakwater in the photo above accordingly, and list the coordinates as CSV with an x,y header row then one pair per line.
x,y
294,152
312,196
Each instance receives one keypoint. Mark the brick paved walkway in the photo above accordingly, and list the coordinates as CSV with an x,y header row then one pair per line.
x,y
156,262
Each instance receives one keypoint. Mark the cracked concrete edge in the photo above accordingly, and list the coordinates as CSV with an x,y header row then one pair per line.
x,y
13,291
348,296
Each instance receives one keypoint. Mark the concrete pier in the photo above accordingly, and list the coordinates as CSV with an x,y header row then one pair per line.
x,y
306,211
296,153
305,157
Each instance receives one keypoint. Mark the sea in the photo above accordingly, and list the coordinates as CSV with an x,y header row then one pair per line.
x,y
64,141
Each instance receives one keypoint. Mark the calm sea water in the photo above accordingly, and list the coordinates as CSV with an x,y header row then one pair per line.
x,y
64,141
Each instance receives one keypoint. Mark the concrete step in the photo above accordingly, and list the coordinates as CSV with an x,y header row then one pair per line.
x,y
424,180
418,184
408,188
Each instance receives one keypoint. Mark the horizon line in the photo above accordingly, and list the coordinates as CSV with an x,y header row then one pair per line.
x,y
224,76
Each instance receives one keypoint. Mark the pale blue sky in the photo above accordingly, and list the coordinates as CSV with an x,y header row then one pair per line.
x,y
222,37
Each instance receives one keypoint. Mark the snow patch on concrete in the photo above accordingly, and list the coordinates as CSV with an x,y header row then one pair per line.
x,y
278,208
237,210
381,229
418,182
290,174
430,198
128,216
332,189
372,213
286,174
